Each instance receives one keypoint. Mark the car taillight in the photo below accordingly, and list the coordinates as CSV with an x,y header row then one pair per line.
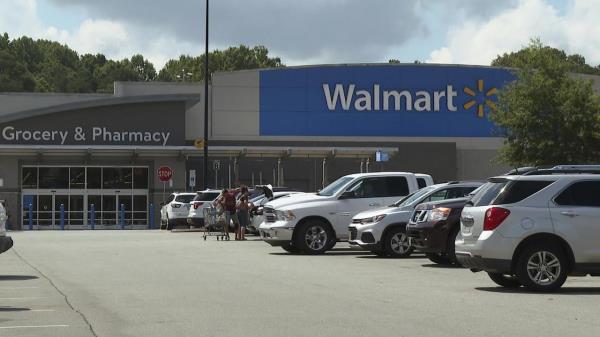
x,y
494,217
198,204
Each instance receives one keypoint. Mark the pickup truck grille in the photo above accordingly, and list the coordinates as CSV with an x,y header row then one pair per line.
x,y
269,214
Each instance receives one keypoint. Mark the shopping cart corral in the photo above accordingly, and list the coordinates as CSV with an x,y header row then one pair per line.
x,y
214,224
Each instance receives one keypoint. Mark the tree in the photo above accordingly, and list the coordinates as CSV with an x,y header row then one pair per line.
x,y
548,115
230,59
144,69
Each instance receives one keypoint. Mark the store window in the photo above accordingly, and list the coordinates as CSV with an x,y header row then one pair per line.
x,y
29,178
77,178
94,178
117,178
53,177
140,178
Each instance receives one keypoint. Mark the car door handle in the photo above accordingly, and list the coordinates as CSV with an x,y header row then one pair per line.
x,y
569,214
374,204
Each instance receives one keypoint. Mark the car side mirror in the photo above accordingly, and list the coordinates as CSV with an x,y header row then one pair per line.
x,y
348,195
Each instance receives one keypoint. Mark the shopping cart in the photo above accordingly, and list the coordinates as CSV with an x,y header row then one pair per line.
x,y
212,225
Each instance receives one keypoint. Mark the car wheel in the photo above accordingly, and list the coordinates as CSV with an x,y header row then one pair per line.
x,y
506,281
290,248
313,237
396,243
542,268
169,224
438,258
162,224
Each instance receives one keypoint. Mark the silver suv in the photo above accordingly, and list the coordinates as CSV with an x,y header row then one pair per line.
x,y
535,229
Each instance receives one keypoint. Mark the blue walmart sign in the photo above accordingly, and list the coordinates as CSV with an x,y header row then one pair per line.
x,y
383,100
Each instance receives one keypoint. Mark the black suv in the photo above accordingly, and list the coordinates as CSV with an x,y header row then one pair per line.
x,y
433,228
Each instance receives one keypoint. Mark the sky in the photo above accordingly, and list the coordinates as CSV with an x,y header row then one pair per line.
x,y
312,31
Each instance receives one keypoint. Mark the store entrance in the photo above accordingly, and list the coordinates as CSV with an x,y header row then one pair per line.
x,y
115,197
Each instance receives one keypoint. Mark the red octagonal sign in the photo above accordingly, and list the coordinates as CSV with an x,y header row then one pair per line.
x,y
164,173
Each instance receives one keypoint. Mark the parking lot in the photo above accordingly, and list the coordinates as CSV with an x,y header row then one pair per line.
x,y
153,283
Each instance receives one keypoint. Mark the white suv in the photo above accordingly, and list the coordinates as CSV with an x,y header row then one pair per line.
x,y
383,230
533,230
5,241
175,210
313,223
202,200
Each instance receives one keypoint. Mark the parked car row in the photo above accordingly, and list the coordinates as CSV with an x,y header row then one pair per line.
x,y
187,208
531,227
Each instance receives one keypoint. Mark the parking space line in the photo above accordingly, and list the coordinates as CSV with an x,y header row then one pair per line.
x,y
20,298
42,310
34,326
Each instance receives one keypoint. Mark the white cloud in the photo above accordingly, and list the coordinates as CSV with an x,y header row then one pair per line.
x,y
479,42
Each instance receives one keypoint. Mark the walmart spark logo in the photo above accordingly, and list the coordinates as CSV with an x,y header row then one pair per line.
x,y
480,98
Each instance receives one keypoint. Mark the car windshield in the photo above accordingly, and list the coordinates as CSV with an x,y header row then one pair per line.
x,y
413,197
335,186
206,196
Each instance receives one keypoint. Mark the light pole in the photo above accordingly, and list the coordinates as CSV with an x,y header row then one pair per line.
x,y
206,104
183,73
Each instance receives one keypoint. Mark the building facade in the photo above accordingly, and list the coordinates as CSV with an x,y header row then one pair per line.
x,y
65,158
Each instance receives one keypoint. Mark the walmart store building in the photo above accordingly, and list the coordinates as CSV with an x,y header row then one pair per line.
x,y
299,126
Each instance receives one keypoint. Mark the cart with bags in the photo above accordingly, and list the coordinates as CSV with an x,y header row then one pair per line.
x,y
214,223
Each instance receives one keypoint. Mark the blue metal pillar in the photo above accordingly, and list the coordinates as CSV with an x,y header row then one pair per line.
x,y
30,210
151,222
122,216
92,216
62,217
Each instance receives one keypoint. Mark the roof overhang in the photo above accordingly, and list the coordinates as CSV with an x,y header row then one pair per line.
x,y
170,151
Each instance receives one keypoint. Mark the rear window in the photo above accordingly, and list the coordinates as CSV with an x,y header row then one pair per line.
x,y
507,192
185,198
206,196
396,186
421,182
583,193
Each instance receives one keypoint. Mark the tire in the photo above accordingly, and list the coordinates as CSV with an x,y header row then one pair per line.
x,y
506,281
451,248
314,237
396,243
438,258
290,248
169,224
542,267
163,226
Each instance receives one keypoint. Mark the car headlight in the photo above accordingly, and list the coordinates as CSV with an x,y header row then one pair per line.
x,y
285,215
440,213
374,219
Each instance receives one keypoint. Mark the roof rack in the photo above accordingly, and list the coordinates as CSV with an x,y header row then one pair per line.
x,y
561,171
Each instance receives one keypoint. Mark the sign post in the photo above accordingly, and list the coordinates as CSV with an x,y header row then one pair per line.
x,y
164,174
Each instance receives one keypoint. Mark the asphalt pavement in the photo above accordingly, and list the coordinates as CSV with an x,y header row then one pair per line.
x,y
157,283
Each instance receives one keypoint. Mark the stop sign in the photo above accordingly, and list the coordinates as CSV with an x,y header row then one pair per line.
x,y
164,173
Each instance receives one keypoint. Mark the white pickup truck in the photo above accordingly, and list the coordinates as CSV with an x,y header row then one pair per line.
x,y
313,223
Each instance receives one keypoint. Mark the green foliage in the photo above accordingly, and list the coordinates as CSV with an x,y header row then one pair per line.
x,y
47,66
230,59
536,52
548,115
